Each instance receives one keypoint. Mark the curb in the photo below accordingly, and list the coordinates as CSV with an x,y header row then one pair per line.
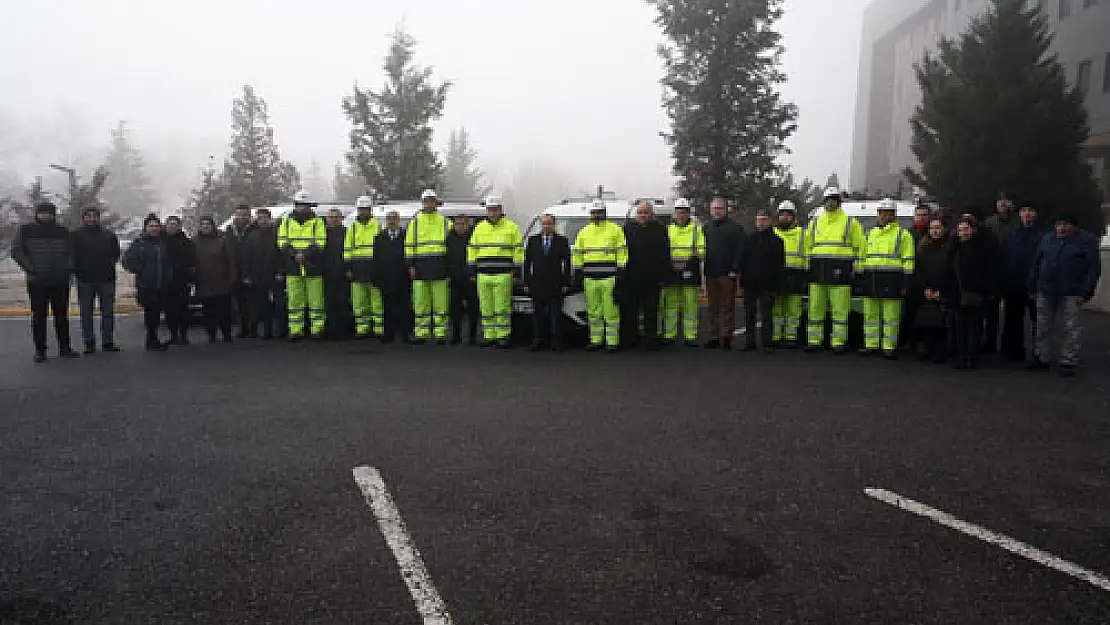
x,y
22,311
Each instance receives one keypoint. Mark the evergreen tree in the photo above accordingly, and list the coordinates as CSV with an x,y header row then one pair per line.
x,y
391,133
462,179
15,212
997,114
347,185
254,173
728,123
127,191
81,196
212,197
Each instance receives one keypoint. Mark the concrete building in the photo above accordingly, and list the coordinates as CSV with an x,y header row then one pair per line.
x,y
897,33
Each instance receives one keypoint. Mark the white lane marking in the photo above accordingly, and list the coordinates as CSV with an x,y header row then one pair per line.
x,y
999,540
423,591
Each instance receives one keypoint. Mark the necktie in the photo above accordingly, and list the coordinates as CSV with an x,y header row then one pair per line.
x,y
546,245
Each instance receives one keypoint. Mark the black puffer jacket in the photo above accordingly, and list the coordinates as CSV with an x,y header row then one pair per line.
x,y
44,252
95,254
183,259
262,260
932,265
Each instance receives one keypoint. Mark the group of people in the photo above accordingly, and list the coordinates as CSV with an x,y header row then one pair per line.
x,y
936,288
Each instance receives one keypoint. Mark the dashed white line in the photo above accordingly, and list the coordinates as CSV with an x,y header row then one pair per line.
x,y
423,591
994,538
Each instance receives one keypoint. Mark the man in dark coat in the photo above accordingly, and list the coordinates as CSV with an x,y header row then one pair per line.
x,y
216,276
261,273
649,264
237,233
337,288
95,254
44,251
464,291
149,259
1018,251
762,263
392,277
1001,227
183,258
724,242
547,276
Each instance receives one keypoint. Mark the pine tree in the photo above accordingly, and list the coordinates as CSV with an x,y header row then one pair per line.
x,y
347,185
212,197
728,123
15,212
997,114
81,196
462,179
391,133
127,191
254,173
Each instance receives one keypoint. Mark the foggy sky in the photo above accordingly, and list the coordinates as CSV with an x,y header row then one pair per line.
x,y
573,83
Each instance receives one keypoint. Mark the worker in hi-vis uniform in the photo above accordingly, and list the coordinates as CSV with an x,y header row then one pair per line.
x,y
358,254
426,254
302,237
599,258
495,254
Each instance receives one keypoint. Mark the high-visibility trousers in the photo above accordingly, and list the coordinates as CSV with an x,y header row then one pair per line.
x,y
603,314
495,302
787,312
824,298
429,303
881,320
301,293
366,304
680,306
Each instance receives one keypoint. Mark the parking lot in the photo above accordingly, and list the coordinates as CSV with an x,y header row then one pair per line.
x,y
217,484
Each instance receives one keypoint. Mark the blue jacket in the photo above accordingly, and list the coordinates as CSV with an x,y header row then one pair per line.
x,y
1018,251
149,259
1067,267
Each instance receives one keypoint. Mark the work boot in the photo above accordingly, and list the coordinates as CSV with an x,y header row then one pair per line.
x,y
867,351
839,351
691,343
503,344
890,354
612,349
486,343
810,348
593,347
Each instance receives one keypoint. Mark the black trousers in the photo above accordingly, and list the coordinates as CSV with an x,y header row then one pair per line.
x,y
153,301
547,314
217,315
397,306
337,307
177,310
989,338
969,324
1017,307
464,303
47,299
240,306
758,303
639,298
264,308
908,333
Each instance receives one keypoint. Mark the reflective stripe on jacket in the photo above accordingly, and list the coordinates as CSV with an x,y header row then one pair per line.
x,y
600,250
889,248
794,241
686,241
495,248
426,245
358,249
836,236
309,238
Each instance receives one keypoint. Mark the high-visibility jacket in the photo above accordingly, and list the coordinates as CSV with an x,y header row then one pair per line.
x,y
495,248
794,241
833,243
308,237
426,245
600,250
358,249
687,251
888,261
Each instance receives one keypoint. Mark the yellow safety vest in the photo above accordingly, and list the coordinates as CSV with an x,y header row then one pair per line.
x,y
889,248
309,237
495,248
834,236
794,240
686,241
426,245
600,250
359,242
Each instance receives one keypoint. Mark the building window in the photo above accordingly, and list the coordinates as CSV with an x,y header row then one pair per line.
x,y
1083,78
1065,9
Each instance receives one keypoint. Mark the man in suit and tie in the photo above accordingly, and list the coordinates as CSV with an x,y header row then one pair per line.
x,y
392,277
547,275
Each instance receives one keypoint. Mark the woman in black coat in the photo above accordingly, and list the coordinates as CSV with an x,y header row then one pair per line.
x,y
932,320
972,282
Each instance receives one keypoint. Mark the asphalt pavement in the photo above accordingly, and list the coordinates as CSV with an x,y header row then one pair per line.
x,y
213,484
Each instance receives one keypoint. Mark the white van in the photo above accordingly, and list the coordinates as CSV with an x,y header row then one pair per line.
x,y
570,217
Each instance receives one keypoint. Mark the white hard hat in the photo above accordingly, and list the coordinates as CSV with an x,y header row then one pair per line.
x,y
597,205
302,197
832,192
494,200
682,203
786,206
887,204
428,193
364,201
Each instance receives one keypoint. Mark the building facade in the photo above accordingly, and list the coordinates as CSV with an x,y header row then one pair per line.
x,y
898,33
